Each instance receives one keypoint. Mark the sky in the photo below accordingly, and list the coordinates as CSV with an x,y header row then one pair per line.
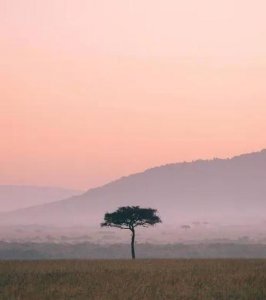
x,y
94,90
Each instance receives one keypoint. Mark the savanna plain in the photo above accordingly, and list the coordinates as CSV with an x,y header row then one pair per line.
x,y
140,279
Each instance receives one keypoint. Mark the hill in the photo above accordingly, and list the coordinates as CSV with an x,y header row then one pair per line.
x,y
13,197
219,190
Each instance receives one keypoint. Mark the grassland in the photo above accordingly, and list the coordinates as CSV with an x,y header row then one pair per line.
x,y
140,279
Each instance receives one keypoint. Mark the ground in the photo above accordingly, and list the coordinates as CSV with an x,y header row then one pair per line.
x,y
140,279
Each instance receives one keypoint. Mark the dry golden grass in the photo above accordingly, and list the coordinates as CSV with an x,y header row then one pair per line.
x,y
140,279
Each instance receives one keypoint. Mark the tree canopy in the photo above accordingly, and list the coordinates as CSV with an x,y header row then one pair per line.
x,y
129,217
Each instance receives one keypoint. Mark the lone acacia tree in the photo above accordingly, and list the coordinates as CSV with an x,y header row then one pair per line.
x,y
129,217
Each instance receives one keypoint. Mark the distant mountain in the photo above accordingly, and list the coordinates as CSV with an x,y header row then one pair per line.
x,y
13,197
226,190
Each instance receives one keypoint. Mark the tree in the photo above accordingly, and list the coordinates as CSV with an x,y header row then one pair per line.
x,y
186,227
130,217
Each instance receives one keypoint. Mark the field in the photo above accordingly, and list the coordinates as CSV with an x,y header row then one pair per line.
x,y
140,279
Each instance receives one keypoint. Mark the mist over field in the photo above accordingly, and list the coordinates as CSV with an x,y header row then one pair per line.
x,y
205,201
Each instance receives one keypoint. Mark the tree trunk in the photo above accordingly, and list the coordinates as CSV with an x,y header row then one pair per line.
x,y
133,243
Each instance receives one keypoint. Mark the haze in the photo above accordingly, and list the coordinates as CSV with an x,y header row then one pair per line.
x,y
93,90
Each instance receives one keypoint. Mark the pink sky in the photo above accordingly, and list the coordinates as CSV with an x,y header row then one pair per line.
x,y
94,90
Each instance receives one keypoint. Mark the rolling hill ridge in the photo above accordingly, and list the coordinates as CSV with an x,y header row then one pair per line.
x,y
219,189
